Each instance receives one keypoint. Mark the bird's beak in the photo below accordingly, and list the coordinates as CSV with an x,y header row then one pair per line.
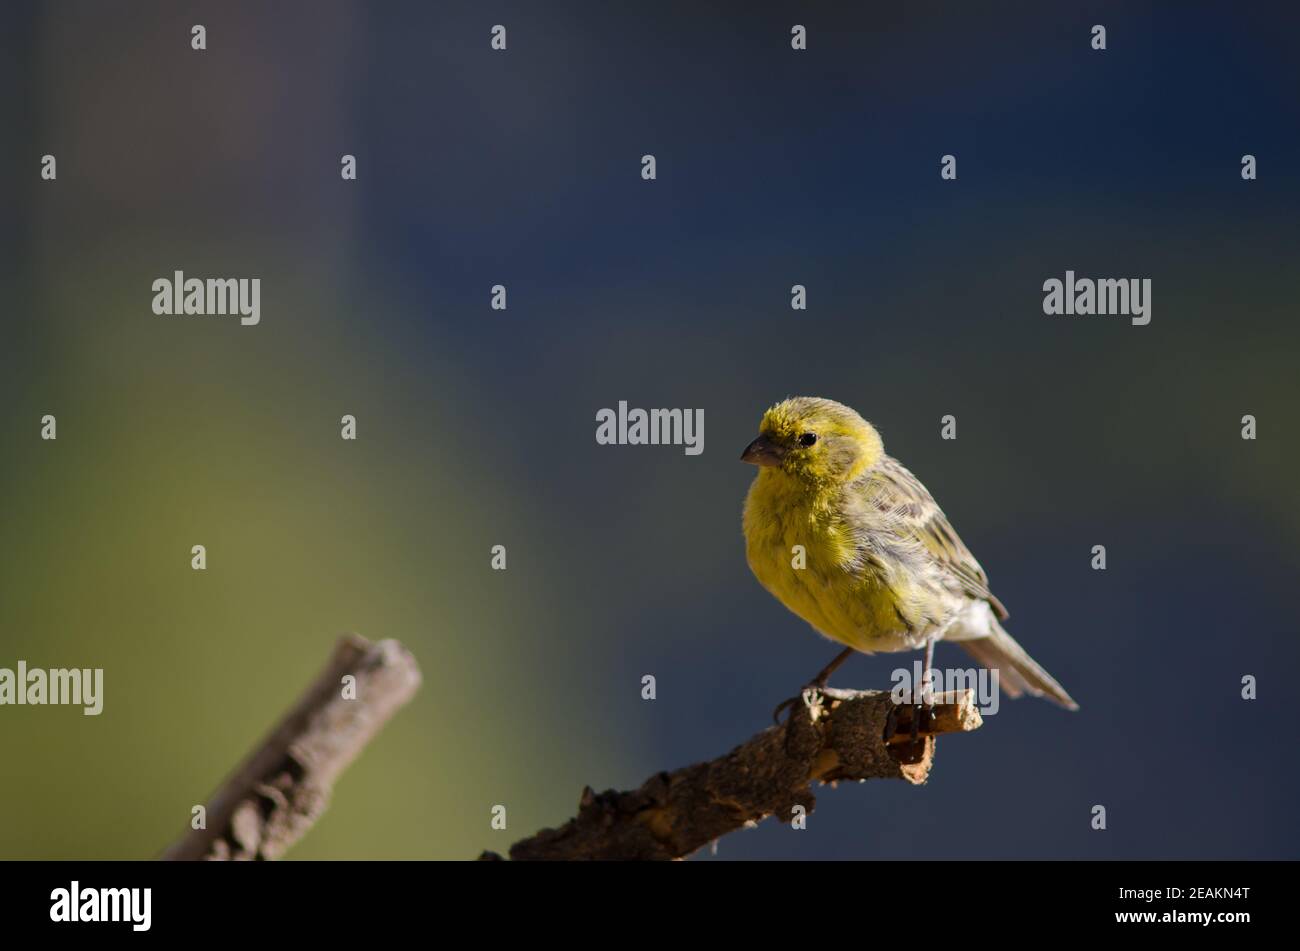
x,y
762,452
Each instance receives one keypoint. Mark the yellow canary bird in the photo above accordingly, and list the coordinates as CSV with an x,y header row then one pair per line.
x,y
883,570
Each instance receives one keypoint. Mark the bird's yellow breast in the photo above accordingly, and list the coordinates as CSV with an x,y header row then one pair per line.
x,y
827,586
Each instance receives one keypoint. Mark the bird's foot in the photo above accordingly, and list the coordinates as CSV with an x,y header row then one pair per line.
x,y
807,696
812,691
922,716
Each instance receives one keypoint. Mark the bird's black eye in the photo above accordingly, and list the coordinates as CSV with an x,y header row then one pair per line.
x,y
807,439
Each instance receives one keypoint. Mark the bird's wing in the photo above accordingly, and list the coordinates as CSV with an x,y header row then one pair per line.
x,y
913,513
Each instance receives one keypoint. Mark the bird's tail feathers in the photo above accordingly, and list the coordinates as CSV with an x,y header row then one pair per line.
x,y
1017,672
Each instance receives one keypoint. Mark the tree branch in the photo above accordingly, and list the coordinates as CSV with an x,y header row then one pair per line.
x,y
833,735
284,785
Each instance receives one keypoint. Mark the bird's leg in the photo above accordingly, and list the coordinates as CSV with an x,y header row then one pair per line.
x,y
925,706
922,700
818,682
834,665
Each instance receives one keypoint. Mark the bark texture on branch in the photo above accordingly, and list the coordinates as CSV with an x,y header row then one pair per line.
x,y
832,735
284,785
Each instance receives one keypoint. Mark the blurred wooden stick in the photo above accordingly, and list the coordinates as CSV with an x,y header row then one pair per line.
x,y
284,785
833,735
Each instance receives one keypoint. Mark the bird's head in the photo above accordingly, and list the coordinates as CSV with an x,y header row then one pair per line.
x,y
815,439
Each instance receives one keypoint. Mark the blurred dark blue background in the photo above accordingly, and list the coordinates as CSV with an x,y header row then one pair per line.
x,y
522,168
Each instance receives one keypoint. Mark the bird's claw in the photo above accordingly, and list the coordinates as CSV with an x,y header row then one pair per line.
x,y
781,708
808,696
922,719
